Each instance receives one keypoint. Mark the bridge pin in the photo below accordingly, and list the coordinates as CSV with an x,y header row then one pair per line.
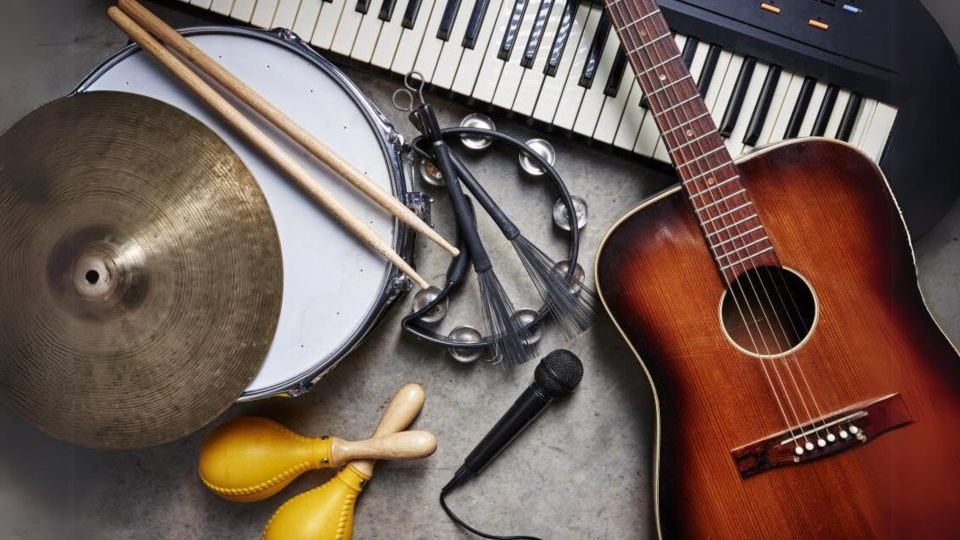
x,y
798,450
854,430
844,434
831,437
809,446
821,443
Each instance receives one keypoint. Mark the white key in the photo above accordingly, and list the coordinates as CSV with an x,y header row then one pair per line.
x,y
786,111
223,7
263,13
431,45
202,4
614,108
750,103
572,91
719,73
307,18
453,48
660,153
776,105
813,109
532,81
512,72
552,87
389,39
471,60
648,140
843,97
632,117
877,134
410,40
327,23
243,10
729,81
593,99
286,14
491,66
347,29
369,33
867,109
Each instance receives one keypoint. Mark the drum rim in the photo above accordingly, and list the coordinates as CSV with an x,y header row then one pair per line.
x,y
393,283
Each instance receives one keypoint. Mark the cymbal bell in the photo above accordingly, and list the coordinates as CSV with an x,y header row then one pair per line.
x,y
141,272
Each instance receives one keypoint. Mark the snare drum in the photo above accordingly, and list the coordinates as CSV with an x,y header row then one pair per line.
x,y
334,288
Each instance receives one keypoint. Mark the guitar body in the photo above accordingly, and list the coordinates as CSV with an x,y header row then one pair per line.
x,y
829,212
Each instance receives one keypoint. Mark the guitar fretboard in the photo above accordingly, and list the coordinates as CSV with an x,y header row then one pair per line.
x,y
729,220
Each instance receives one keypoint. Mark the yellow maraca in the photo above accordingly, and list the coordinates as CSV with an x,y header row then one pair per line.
x,y
251,458
326,512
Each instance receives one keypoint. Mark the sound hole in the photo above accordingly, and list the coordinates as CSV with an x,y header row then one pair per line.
x,y
768,311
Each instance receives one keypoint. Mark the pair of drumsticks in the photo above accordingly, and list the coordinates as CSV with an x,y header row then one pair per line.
x,y
149,31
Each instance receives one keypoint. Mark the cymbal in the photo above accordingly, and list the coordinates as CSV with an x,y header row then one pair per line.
x,y
141,271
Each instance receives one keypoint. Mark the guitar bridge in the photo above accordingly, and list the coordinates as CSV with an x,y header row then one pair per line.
x,y
835,432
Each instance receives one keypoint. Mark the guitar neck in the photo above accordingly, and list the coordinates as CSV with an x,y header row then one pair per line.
x,y
726,214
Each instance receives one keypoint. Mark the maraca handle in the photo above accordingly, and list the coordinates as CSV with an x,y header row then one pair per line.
x,y
400,413
403,445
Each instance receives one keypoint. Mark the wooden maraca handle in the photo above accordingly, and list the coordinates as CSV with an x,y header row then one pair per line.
x,y
398,446
400,413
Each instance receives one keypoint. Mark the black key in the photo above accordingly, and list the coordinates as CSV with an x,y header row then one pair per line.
x,y
446,21
536,34
849,118
616,73
709,67
328,1
386,10
800,110
363,6
689,51
826,109
476,21
596,49
732,114
410,14
560,41
763,106
513,28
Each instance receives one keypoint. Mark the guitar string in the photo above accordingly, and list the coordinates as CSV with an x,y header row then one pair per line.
x,y
791,354
662,61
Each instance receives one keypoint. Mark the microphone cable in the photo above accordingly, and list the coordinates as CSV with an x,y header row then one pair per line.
x,y
460,522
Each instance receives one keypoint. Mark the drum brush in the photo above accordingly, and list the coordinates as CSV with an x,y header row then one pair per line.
x,y
326,512
251,458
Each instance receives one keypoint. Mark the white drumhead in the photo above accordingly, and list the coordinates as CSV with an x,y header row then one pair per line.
x,y
332,284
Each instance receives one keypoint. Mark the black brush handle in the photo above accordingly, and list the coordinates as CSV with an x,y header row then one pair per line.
x,y
461,263
426,120
506,225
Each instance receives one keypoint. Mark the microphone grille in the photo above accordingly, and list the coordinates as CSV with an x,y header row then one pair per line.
x,y
559,373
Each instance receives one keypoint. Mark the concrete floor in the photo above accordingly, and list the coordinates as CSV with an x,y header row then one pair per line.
x,y
583,471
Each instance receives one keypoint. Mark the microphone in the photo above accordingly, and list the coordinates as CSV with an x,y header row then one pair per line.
x,y
557,376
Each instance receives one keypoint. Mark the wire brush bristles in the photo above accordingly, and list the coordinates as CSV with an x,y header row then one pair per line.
x,y
510,338
572,304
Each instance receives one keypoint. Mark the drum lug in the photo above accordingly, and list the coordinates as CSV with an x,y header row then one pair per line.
x,y
422,206
398,287
300,389
287,35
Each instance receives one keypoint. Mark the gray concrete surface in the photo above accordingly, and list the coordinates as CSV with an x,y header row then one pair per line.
x,y
583,471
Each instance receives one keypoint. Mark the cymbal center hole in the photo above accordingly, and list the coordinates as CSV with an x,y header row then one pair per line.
x,y
92,277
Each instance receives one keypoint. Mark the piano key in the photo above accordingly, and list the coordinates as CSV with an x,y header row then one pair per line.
x,y
263,13
813,109
388,42
286,14
327,23
512,73
843,97
477,16
726,87
202,4
596,51
689,49
363,6
510,37
431,45
490,64
470,61
450,13
243,10
863,120
751,101
410,40
566,111
386,10
845,129
632,117
564,31
532,84
790,99
347,29
536,34
648,140
222,7
593,98
878,132
367,36
763,108
732,114
614,107
306,19
709,68
719,72
800,108
826,111
616,74
411,13
553,85
453,50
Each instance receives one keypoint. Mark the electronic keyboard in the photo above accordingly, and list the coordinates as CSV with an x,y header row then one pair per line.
x,y
769,71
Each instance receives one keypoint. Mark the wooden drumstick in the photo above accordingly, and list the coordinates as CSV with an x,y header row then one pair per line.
x,y
248,95
246,128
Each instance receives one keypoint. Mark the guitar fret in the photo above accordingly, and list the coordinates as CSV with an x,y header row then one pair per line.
x,y
715,186
720,200
641,19
681,104
688,143
662,88
728,212
747,258
732,238
701,175
661,64
744,220
692,120
701,156
741,248
647,44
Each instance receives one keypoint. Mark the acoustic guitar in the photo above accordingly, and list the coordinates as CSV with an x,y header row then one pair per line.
x,y
803,389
